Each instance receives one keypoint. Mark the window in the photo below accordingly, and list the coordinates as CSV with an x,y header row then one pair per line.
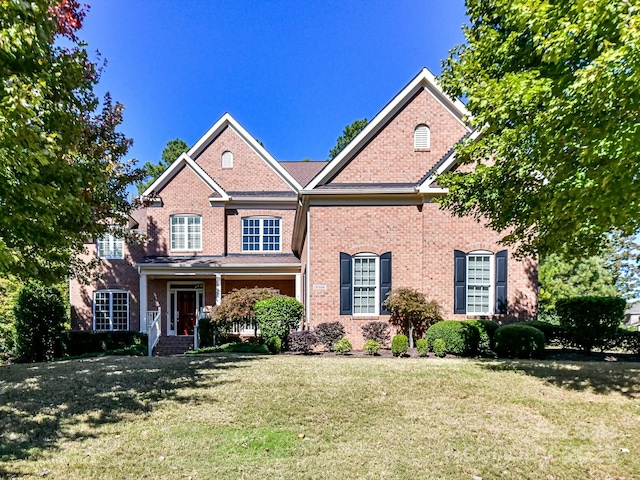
x,y
365,282
111,310
227,160
260,234
422,138
110,247
480,282
186,232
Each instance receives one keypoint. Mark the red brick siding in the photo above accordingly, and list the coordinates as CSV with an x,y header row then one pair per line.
x,y
234,227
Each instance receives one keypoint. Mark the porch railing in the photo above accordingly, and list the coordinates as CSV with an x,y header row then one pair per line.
x,y
244,326
153,329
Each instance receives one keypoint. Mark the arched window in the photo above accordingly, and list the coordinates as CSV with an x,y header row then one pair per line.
x,y
422,138
227,159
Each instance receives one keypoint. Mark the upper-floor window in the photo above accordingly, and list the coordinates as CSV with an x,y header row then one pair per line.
x,y
227,159
186,232
111,310
261,234
110,247
422,138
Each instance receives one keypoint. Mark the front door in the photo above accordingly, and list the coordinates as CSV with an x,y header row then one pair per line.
x,y
186,312
185,301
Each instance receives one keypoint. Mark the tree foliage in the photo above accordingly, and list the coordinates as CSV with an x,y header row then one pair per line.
x,y
152,171
555,90
411,312
348,134
63,179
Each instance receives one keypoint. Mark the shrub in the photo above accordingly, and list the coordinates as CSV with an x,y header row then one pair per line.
x,y
232,348
423,347
371,347
277,316
274,344
589,322
399,345
329,333
486,330
410,308
460,338
206,329
39,313
519,341
303,341
625,340
440,347
342,347
552,333
376,331
88,343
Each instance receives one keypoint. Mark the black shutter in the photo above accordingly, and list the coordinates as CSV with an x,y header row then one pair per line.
x,y
385,280
459,282
501,281
346,287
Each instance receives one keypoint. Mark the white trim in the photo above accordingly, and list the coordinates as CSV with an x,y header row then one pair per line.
x,y
112,241
228,120
261,219
110,291
422,137
186,232
376,286
174,286
492,282
174,168
143,301
228,161
425,79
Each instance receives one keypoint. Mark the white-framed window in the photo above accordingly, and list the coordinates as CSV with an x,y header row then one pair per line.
x,y
480,283
227,159
422,138
110,247
186,232
111,310
366,278
261,234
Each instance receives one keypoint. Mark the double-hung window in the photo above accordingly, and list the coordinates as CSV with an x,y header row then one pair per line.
x,y
365,284
110,247
261,234
479,281
111,310
186,232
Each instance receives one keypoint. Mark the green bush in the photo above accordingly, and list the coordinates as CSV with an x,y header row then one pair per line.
x,y
274,344
625,340
376,331
423,347
40,318
206,330
242,347
371,347
440,347
277,316
399,345
552,333
486,330
519,341
329,333
89,343
303,341
342,347
460,338
589,322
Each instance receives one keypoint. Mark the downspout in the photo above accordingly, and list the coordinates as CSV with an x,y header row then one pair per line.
x,y
308,275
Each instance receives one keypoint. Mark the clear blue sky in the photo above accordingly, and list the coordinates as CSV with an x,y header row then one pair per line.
x,y
293,73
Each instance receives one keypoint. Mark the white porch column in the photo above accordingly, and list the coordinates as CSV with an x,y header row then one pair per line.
x,y
142,299
218,288
299,287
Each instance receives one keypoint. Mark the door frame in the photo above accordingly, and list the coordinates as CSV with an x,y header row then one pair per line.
x,y
173,287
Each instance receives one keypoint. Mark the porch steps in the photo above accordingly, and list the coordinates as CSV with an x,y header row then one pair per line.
x,y
173,345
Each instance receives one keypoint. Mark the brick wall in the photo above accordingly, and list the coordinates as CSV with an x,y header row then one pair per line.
x,y
234,227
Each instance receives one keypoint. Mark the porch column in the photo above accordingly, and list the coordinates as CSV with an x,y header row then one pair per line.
x,y
143,302
299,287
218,288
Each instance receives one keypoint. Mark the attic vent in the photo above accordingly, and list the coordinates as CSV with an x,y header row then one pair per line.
x,y
422,138
227,160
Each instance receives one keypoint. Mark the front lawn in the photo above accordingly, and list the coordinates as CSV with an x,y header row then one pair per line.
x,y
250,416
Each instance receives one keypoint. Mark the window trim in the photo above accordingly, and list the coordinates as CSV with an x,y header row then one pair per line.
x,y
186,233
415,137
261,235
111,291
492,281
111,239
376,285
222,158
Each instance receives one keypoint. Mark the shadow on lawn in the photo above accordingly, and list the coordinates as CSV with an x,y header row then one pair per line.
x,y
41,404
601,378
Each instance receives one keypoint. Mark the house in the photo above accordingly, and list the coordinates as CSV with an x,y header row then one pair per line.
x,y
335,235
632,316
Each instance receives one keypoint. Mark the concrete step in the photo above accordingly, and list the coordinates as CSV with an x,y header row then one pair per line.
x,y
173,345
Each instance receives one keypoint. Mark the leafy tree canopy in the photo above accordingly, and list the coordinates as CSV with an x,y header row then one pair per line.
x,y
348,134
555,89
63,179
173,150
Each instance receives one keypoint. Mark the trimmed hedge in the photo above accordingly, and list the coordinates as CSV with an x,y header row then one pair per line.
x,y
84,343
590,322
461,338
422,347
277,316
399,345
519,341
553,334
486,330
342,347
371,347
243,347
625,340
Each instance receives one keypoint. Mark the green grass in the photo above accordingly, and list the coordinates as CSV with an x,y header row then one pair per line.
x,y
298,417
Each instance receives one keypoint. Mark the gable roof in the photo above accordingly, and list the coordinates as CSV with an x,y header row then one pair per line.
x,y
228,121
175,167
425,79
303,172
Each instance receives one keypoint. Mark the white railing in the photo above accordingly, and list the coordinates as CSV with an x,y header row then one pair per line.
x,y
244,326
202,313
153,329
